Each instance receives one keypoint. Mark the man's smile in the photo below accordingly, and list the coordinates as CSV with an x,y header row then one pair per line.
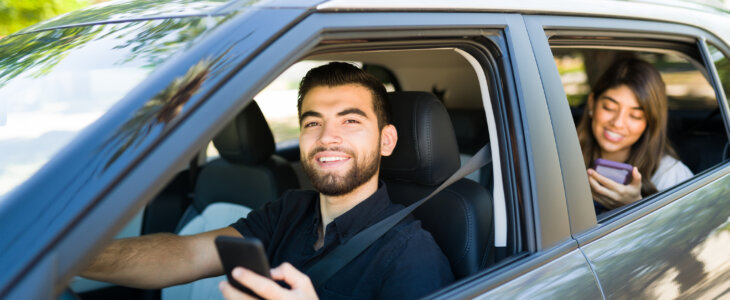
x,y
331,159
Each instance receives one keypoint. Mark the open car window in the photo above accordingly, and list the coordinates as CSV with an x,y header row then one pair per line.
x,y
695,127
453,79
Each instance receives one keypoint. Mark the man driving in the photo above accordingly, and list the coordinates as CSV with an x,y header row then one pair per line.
x,y
345,130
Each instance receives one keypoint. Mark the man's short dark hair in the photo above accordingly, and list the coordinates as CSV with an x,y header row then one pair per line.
x,y
339,73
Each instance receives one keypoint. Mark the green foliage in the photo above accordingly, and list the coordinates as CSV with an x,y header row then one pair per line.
x,y
18,14
40,52
575,100
132,9
36,54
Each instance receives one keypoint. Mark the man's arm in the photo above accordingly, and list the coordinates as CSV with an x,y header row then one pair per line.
x,y
159,260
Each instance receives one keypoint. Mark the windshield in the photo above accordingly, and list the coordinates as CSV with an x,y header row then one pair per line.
x,y
55,83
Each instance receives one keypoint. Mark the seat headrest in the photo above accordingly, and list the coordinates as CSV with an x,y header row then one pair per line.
x,y
470,127
247,139
426,152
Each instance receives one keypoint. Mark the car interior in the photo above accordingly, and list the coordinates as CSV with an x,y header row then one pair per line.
x,y
255,158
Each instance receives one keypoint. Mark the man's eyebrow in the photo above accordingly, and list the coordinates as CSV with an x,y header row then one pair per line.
x,y
615,101
353,110
310,113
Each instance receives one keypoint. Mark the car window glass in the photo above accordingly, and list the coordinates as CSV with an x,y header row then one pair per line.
x,y
77,74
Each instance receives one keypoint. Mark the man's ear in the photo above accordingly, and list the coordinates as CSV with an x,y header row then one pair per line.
x,y
388,139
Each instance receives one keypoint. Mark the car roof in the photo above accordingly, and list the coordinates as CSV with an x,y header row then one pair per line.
x,y
713,19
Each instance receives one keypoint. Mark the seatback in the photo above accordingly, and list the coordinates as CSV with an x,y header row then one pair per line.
x,y
470,127
246,176
699,138
459,217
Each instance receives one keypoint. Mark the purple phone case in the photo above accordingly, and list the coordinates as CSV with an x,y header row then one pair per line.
x,y
616,171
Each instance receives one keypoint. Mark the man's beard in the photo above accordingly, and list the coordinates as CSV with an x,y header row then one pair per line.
x,y
336,185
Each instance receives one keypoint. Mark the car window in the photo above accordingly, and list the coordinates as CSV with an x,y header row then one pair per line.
x,y
278,104
77,75
694,128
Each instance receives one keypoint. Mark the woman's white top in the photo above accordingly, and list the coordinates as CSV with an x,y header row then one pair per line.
x,y
670,172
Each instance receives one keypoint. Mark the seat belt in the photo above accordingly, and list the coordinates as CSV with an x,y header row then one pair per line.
x,y
343,254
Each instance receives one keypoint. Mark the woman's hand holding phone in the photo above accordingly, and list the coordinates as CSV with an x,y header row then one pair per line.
x,y
612,194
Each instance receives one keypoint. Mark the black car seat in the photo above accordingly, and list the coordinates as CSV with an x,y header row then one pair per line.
x,y
460,217
246,176
470,127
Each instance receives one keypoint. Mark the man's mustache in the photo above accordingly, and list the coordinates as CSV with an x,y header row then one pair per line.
x,y
334,149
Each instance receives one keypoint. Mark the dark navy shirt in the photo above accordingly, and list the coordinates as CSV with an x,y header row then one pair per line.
x,y
405,263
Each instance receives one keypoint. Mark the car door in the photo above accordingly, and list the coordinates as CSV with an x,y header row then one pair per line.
x,y
540,258
673,243
547,262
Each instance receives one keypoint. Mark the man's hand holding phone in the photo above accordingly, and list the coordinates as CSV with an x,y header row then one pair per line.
x,y
247,270
610,193
301,286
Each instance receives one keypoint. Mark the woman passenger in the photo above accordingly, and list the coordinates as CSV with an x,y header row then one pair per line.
x,y
626,122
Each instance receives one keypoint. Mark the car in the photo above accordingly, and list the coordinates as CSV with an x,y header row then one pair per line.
x,y
119,120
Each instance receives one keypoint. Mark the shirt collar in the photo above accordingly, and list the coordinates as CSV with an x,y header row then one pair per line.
x,y
357,218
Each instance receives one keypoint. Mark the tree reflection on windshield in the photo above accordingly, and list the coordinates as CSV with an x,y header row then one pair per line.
x,y
55,83
159,110
133,10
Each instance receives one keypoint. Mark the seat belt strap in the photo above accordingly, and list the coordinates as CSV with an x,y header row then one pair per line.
x,y
343,254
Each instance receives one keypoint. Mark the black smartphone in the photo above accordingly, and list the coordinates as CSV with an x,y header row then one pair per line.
x,y
239,252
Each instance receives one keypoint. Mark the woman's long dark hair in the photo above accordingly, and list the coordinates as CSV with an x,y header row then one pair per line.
x,y
648,87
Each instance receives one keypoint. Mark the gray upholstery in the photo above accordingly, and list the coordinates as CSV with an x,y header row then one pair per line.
x,y
460,217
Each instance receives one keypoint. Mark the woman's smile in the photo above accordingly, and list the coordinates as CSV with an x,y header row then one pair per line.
x,y
612,136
